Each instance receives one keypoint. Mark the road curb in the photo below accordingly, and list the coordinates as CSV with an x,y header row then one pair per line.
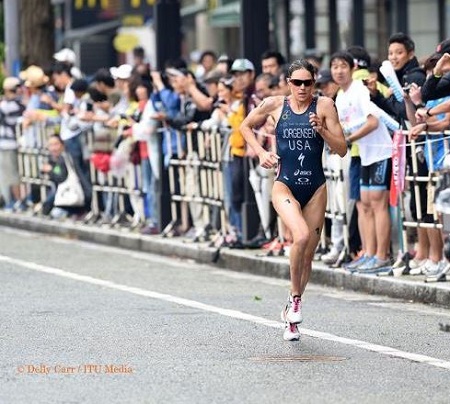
x,y
238,260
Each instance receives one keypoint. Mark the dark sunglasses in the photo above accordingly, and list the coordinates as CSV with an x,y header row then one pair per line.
x,y
298,82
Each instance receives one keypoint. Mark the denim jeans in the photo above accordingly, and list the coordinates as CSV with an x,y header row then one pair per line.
x,y
151,204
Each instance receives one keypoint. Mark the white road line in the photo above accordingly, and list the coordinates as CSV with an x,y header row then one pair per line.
x,y
384,350
349,296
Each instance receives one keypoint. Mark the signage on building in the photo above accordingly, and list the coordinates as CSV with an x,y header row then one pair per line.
x,y
136,12
91,12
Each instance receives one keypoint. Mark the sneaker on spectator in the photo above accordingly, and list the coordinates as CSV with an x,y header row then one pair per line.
x,y
291,332
58,213
330,257
150,229
257,242
318,253
417,267
352,266
9,207
437,271
292,313
373,265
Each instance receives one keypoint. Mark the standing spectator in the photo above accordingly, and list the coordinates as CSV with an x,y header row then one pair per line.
x,y
329,88
11,109
71,136
141,67
272,62
361,72
264,84
211,83
207,63
221,119
361,125
187,121
429,252
437,84
224,63
69,57
146,131
401,54
243,72
315,57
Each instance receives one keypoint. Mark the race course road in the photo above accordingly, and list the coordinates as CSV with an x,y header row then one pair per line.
x,y
83,323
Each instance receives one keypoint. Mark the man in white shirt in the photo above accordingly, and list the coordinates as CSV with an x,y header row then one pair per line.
x,y
359,118
71,136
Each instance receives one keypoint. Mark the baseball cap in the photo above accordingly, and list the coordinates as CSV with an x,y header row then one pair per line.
x,y
443,47
11,83
122,72
223,58
324,76
66,55
242,65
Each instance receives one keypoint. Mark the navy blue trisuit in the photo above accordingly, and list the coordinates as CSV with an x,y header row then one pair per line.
x,y
300,149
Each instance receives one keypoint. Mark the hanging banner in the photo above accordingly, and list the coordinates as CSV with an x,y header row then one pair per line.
x,y
398,167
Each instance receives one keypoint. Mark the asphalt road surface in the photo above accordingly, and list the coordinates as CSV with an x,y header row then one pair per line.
x,y
83,323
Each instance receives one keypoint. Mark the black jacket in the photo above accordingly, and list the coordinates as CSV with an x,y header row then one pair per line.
x,y
435,87
410,73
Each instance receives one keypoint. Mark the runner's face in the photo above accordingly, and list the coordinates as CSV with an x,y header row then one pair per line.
x,y
302,89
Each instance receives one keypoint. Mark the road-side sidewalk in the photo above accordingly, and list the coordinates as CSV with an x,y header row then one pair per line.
x,y
251,261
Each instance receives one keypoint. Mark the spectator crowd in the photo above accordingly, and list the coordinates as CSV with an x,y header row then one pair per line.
x,y
132,118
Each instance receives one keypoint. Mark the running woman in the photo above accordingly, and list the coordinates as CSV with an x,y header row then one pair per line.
x,y
303,122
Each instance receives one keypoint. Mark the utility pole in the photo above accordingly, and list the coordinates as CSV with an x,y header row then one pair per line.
x,y
168,31
12,54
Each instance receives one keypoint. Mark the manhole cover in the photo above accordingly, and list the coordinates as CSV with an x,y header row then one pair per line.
x,y
302,358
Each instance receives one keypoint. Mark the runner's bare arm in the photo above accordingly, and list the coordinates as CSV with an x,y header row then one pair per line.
x,y
331,129
256,118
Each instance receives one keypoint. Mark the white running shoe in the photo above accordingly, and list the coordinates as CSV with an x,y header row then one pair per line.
x,y
418,267
437,271
291,332
330,257
292,313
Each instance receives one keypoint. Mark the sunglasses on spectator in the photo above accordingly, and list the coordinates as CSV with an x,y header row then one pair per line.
x,y
298,82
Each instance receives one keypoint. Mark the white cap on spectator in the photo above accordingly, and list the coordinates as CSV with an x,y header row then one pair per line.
x,y
66,55
242,65
11,83
122,72
76,72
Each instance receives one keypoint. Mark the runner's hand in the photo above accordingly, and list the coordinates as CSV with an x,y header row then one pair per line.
x,y
316,122
268,159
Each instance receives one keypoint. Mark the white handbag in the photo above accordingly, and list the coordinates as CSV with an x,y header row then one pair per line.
x,y
69,192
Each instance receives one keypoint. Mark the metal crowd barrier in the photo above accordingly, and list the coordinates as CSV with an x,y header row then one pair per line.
x,y
434,177
196,184
115,186
336,174
32,153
